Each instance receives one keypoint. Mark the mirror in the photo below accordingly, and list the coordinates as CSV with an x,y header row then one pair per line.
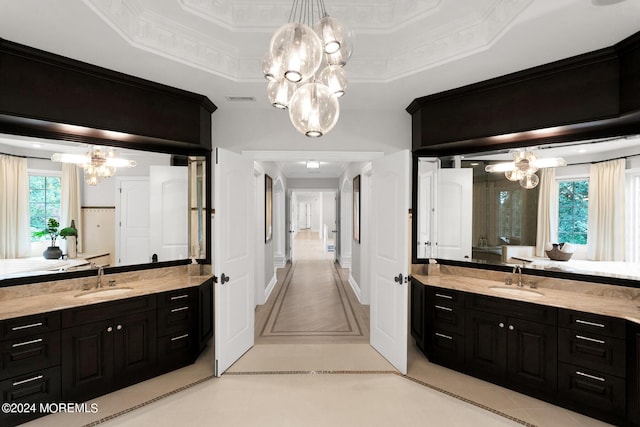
x,y
503,225
153,212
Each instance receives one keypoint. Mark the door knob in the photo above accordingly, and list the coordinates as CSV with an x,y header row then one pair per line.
x,y
224,279
398,279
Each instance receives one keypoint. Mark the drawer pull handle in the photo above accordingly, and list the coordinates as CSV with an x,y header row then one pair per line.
x,y
584,322
593,377
439,307
39,377
33,325
20,344
443,336
444,296
180,337
580,337
179,297
175,310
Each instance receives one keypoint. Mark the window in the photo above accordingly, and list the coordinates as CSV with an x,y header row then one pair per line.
x,y
573,209
44,200
510,214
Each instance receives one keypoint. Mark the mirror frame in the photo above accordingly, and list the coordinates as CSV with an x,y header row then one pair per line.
x,y
98,106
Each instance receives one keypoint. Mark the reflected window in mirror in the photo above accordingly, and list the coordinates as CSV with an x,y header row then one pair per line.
x,y
44,200
573,211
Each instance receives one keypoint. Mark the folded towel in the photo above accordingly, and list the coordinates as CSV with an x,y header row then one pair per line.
x,y
568,248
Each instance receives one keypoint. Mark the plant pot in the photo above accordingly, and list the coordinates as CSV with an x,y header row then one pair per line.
x,y
557,255
52,252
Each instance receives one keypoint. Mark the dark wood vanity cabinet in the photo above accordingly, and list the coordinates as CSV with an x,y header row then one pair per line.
x,y
109,352
205,314
30,364
512,343
177,329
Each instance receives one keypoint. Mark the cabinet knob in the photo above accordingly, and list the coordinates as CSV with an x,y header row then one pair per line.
x,y
511,328
109,329
119,327
501,324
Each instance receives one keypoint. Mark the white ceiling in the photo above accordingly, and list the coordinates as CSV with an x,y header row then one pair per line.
x,y
403,49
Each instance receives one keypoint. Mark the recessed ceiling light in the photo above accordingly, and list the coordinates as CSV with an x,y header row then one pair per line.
x,y
36,145
582,150
313,165
474,164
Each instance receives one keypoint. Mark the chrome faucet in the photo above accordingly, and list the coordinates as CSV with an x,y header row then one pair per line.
x,y
518,269
100,273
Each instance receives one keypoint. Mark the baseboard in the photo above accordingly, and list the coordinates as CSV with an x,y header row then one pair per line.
x,y
270,287
279,261
344,261
355,287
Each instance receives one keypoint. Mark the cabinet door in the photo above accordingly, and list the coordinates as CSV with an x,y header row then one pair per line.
x,y
418,314
205,314
135,347
532,356
485,344
87,360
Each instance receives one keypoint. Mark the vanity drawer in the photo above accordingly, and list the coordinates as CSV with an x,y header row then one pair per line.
x,y
446,317
29,325
592,351
448,296
175,350
27,354
178,296
592,392
178,318
35,387
595,323
446,349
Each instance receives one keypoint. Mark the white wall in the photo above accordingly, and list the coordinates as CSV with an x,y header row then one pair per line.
x,y
329,211
269,129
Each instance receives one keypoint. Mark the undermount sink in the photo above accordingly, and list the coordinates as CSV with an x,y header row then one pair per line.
x,y
103,293
517,291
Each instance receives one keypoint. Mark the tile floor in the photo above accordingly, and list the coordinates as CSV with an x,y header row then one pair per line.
x,y
300,383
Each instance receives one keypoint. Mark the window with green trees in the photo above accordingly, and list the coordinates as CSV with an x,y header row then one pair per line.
x,y
44,201
573,209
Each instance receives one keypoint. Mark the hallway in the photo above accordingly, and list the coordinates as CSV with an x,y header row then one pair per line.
x,y
312,301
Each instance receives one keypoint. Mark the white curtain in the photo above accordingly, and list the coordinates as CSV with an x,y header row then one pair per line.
x,y
70,199
605,236
547,210
15,240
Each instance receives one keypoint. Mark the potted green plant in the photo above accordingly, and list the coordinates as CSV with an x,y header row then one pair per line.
x,y
52,231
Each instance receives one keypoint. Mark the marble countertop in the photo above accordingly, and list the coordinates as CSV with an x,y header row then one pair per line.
x,y
623,308
52,301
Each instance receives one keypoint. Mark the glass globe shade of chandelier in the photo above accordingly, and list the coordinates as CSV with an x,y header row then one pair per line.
x,y
529,181
311,49
314,110
335,78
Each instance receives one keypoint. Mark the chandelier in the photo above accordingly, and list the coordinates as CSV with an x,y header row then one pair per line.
x,y
97,163
524,166
305,67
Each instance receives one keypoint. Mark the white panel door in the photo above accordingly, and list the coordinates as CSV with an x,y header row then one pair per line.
x,y
454,209
389,234
235,230
133,221
169,216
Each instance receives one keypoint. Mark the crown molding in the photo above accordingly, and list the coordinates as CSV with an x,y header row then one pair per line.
x,y
429,47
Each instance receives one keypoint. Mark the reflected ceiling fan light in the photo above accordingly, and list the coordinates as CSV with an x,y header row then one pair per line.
x,y
500,167
70,158
529,181
524,166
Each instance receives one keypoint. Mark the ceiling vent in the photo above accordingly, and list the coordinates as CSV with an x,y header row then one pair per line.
x,y
241,99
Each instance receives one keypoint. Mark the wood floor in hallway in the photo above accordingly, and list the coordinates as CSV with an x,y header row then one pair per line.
x,y
312,301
